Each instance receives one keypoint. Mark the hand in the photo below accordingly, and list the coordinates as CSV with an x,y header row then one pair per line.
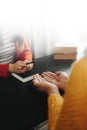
x,y
59,78
29,66
17,67
20,67
44,85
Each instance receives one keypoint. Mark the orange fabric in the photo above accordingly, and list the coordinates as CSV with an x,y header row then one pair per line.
x,y
25,52
73,115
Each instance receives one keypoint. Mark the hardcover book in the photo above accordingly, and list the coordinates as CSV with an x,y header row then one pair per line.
x,y
28,76
65,53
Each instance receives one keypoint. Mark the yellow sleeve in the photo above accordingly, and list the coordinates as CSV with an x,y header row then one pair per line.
x,y
55,103
73,115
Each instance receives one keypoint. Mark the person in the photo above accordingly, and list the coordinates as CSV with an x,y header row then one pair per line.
x,y
68,112
14,53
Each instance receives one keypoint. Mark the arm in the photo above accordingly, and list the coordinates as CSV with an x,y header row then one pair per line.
x,y
17,67
24,55
73,114
23,51
55,101
4,70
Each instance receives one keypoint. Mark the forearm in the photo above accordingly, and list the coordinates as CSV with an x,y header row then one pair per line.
x,y
24,52
26,55
55,102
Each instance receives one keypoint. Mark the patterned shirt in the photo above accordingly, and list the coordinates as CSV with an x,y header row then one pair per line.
x,y
7,48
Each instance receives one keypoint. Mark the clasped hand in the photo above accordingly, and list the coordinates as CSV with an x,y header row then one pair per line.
x,y
20,67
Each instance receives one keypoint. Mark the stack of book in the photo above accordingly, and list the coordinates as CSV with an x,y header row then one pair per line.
x,y
65,53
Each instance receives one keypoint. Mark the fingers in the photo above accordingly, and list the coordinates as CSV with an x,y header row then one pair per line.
x,y
38,78
44,85
49,74
62,73
38,81
47,78
29,66
58,72
22,67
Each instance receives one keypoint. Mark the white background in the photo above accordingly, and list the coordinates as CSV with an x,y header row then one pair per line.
x,y
48,23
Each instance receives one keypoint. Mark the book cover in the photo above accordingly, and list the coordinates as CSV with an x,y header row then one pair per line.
x,y
25,77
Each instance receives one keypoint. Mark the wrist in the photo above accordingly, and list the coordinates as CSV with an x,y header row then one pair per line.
x,y
53,91
10,69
